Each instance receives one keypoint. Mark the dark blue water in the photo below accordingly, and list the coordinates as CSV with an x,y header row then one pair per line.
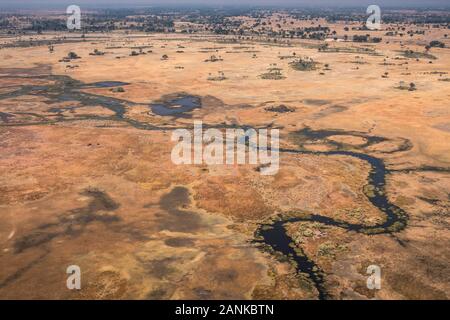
x,y
176,106
108,84
277,238
5,116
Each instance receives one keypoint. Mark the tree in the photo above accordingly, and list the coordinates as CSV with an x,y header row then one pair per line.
x,y
72,55
376,39
437,44
361,38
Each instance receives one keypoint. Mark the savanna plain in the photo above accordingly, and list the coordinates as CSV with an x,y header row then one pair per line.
x,y
86,176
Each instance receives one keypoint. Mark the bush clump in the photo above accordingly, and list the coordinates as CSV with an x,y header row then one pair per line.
x,y
118,89
273,74
403,86
417,55
280,109
304,64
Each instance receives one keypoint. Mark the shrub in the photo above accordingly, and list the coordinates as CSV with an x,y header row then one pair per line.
x,y
280,109
362,38
402,86
118,89
273,74
97,53
436,44
72,55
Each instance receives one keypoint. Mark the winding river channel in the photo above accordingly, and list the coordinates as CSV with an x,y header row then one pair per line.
x,y
272,233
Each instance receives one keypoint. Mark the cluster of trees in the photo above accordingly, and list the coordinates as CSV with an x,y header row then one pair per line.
x,y
304,64
366,38
158,24
317,33
435,44
98,22
47,25
226,21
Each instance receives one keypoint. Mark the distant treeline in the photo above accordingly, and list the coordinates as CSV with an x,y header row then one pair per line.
x,y
220,20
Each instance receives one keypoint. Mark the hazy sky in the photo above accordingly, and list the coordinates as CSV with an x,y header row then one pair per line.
x,y
131,3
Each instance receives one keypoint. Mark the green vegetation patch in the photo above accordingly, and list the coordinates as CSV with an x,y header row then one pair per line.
x,y
417,55
273,74
330,249
304,64
359,50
